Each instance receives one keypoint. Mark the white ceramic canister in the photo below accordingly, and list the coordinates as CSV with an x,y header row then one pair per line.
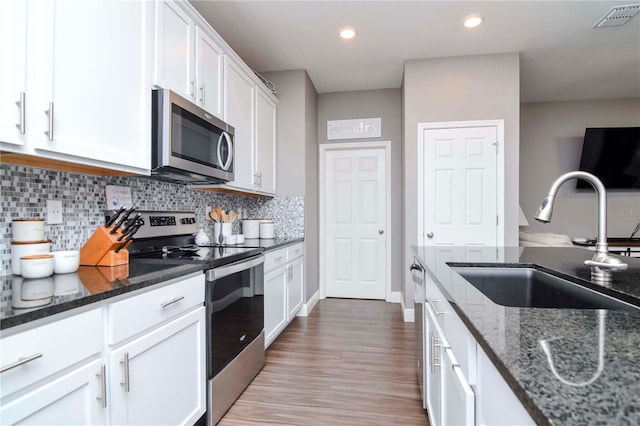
x,y
19,249
27,230
251,228
267,229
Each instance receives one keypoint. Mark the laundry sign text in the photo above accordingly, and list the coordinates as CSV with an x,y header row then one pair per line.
x,y
354,129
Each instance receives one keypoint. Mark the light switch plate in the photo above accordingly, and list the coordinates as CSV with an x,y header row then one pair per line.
x,y
54,212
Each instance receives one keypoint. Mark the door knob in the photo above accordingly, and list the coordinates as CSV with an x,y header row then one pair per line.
x,y
380,231
429,234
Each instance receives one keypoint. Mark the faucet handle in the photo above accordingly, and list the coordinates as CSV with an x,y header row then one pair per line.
x,y
610,263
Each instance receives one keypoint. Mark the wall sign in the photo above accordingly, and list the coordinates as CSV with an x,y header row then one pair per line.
x,y
358,128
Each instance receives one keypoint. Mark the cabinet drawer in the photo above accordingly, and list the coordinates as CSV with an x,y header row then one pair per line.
x,y
458,337
61,344
138,313
274,259
295,251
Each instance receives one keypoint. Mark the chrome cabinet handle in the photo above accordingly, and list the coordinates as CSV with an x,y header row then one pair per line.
x,y
172,301
192,89
435,343
49,112
103,385
20,103
20,362
278,259
202,93
434,307
429,234
125,361
380,231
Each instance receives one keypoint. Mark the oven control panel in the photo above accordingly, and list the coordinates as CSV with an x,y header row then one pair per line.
x,y
165,223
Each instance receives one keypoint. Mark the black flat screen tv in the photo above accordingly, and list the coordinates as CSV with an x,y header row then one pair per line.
x,y
613,155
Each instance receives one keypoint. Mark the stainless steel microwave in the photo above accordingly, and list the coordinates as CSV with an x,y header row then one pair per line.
x,y
189,145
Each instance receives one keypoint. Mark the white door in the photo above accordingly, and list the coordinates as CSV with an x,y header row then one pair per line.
x,y
460,181
354,218
265,143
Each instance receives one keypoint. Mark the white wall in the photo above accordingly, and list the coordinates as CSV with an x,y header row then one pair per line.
x,y
458,89
386,104
550,145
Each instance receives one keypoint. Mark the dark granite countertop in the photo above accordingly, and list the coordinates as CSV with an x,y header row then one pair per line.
x,y
579,392
24,300
270,243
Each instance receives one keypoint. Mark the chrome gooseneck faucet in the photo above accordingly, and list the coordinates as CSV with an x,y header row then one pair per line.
x,y
602,262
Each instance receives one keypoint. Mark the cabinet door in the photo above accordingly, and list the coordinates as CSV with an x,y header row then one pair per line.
x,y
433,366
239,102
266,143
92,75
163,373
275,304
73,399
174,63
209,63
13,33
457,397
295,287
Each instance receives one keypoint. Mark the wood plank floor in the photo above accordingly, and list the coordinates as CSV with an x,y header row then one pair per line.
x,y
350,362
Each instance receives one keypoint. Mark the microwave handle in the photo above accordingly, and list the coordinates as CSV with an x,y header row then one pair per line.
x,y
226,165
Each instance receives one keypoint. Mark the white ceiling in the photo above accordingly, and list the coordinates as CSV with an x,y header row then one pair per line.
x,y
561,56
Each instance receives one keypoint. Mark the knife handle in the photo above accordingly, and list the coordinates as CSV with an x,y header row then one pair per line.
x,y
115,216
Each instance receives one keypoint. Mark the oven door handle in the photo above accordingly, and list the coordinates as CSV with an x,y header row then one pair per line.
x,y
223,271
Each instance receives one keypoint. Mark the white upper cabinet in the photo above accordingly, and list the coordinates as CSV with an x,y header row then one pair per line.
x,y
175,50
265,143
13,84
239,107
87,82
253,115
188,61
209,66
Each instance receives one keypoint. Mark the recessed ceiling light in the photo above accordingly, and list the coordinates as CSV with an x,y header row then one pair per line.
x,y
347,33
473,21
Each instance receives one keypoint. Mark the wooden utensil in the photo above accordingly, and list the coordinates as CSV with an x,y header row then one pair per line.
x,y
214,216
232,216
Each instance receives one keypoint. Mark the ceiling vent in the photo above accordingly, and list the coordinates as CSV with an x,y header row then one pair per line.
x,y
618,16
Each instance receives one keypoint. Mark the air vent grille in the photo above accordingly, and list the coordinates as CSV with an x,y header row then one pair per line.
x,y
618,16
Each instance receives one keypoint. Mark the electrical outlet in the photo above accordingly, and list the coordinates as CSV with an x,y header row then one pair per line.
x,y
54,212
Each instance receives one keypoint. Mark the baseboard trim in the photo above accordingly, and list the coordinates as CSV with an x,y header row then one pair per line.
x,y
408,314
396,297
306,308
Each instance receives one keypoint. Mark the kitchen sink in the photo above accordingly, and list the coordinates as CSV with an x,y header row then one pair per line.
x,y
531,288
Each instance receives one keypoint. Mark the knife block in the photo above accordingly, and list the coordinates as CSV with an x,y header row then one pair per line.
x,y
99,250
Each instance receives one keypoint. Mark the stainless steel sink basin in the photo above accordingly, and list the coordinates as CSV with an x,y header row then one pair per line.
x,y
531,288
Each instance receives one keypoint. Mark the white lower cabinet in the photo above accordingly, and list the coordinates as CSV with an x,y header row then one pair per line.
x,y
283,289
148,368
159,378
275,303
294,287
73,399
462,386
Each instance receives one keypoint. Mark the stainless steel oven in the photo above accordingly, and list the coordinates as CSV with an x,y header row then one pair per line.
x,y
189,145
234,299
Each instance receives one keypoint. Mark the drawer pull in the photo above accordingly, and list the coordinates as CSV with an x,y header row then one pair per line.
x,y
20,362
278,259
172,301
125,361
435,307
103,385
